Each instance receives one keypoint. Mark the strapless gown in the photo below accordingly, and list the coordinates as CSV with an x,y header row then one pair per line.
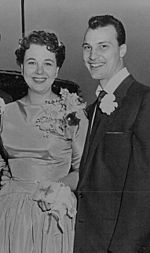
x,y
34,158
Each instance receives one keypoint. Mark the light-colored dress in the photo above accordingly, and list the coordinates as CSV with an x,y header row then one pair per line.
x,y
34,158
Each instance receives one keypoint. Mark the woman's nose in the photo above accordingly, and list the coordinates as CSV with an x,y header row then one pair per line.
x,y
39,68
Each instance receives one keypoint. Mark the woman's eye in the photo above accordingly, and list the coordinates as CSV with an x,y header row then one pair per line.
x,y
31,62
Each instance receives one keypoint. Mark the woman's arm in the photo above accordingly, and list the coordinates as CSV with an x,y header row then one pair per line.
x,y
72,178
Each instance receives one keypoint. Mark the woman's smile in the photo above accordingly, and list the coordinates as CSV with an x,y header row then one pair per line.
x,y
39,79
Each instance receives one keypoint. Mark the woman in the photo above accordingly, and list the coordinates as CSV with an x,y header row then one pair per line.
x,y
43,134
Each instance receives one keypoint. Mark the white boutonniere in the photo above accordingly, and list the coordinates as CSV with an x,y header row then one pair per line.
x,y
108,104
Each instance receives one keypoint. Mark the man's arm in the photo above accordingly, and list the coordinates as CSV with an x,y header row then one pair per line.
x,y
133,223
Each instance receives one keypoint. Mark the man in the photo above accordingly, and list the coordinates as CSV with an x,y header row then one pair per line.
x,y
114,186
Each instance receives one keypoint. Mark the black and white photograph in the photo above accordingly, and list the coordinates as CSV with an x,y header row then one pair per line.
x,y
74,126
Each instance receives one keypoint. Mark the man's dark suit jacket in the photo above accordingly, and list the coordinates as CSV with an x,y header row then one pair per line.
x,y
114,187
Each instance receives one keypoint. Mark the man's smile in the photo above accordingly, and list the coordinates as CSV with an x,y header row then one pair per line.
x,y
96,65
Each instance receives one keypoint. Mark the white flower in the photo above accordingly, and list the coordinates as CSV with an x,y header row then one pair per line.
x,y
2,106
108,104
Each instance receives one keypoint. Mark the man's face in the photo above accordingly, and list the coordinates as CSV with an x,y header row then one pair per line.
x,y
102,54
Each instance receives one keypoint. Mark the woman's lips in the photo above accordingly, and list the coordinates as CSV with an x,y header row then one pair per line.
x,y
39,79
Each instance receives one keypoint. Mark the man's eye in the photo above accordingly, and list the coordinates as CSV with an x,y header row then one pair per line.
x,y
86,47
103,46
48,64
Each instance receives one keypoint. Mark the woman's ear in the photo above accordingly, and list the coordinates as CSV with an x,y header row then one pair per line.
x,y
21,68
57,70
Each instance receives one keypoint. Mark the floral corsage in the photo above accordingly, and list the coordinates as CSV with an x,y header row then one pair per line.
x,y
61,115
108,104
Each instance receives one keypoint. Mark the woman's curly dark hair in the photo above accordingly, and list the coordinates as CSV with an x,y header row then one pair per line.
x,y
42,38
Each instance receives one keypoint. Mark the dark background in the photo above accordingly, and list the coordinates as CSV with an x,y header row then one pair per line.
x,y
69,19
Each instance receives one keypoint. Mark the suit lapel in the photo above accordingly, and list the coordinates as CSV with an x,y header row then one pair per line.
x,y
89,111
104,123
122,89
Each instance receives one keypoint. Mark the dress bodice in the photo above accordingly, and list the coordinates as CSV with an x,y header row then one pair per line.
x,y
34,156
39,154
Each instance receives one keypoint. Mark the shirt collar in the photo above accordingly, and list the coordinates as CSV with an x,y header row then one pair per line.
x,y
114,82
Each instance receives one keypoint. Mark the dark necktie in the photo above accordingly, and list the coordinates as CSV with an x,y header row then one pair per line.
x,y
100,96
98,112
90,134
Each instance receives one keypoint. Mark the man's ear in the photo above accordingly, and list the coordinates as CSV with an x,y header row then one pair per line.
x,y
123,50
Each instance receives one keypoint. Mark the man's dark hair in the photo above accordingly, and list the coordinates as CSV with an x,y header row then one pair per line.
x,y
105,20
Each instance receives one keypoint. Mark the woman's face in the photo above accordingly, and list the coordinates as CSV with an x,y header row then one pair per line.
x,y
39,68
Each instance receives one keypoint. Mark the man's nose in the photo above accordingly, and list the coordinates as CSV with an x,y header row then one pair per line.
x,y
39,68
93,54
